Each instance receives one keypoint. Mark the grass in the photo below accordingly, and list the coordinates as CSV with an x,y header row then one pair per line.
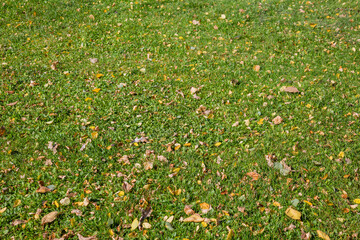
x,y
239,56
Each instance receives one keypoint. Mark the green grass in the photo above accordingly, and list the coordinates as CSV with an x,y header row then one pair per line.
x,y
150,53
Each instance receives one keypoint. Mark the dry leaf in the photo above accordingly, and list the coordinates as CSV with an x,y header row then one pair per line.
x,y
12,104
162,159
290,89
127,186
322,235
304,235
292,213
195,22
230,234
2,131
91,17
43,189
205,207
269,159
145,213
148,165
254,175
96,90
86,238
236,124
188,210
134,224
277,120
17,222
256,68
194,218
93,60
17,202
3,210
194,90
48,218
291,227
94,135
77,212
146,225
357,201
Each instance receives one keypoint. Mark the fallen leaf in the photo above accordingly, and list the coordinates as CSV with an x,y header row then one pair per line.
x,y
269,159
146,225
290,89
145,213
99,75
86,238
235,124
17,203
162,159
260,122
247,122
230,234
148,165
341,154
93,60
322,235
43,189
277,120
256,68
357,201
205,207
17,222
134,224
217,144
254,175
292,213
291,227
12,104
194,218
37,214
91,17
3,210
2,131
188,210
50,217
304,235
193,90
127,186
94,135
77,212
195,22
96,90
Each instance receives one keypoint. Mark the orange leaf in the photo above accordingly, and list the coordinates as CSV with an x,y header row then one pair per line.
x,y
194,218
254,175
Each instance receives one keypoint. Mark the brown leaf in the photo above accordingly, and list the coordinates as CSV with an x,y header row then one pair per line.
x,y
50,217
162,159
124,159
194,218
127,186
86,238
188,210
12,104
2,131
43,189
77,212
290,89
256,68
148,165
17,222
254,175
277,120
304,235
145,213
91,17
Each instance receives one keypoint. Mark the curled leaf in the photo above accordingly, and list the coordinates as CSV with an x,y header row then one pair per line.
x,y
50,217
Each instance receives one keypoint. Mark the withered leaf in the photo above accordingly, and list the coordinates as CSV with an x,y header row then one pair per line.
x,y
17,222
290,89
145,213
292,213
188,210
50,217
43,189
2,131
194,218
12,104
254,175
86,238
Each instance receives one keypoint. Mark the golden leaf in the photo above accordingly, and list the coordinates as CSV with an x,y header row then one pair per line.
x,y
96,90
217,144
341,154
99,75
357,201
94,135
204,205
177,146
3,210
43,189
322,235
292,213
261,121
256,68
17,202
254,175
230,234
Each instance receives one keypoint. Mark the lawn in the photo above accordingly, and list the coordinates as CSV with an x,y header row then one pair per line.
x,y
164,119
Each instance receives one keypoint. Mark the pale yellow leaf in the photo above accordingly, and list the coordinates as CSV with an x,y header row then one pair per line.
x,y
134,224
292,213
322,235
194,218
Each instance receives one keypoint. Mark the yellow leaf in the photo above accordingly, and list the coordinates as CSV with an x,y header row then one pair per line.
x,y
94,135
357,201
194,218
134,224
170,190
121,193
3,210
111,232
308,202
177,146
256,68
341,154
204,205
187,144
72,222
261,121
146,225
99,75
322,235
56,204
313,25
96,90
204,224
217,144
108,147
230,234
17,202
177,192
292,213
276,204
88,99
